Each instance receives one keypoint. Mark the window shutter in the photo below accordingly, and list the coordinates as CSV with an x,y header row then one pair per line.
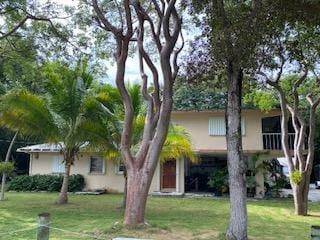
x,y
57,164
217,126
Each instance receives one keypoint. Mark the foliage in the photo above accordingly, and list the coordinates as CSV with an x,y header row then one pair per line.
x,y
281,182
218,179
50,183
178,144
6,167
198,97
265,100
58,115
203,95
19,66
296,176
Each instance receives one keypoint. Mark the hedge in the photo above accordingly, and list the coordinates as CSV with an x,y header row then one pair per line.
x,y
50,183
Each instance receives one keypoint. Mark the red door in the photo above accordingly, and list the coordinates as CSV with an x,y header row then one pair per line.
x,y
169,174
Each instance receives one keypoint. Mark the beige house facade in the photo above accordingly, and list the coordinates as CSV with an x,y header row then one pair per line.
x,y
207,131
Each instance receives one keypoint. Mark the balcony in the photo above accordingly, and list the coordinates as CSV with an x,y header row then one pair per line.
x,y
272,141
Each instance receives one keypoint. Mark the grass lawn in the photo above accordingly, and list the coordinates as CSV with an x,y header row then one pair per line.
x,y
170,218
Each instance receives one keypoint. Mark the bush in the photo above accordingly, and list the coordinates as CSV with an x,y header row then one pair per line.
x,y
6,167
218,179
76,183
50,183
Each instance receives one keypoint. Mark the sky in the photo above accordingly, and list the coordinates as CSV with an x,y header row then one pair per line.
x,y
132,66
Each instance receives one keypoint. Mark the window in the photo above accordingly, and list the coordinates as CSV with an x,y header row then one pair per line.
x,y
96,164
120,167
57,164
217,126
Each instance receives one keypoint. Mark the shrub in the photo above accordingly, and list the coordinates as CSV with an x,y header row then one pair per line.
x,y
6,167
76,183
51,183
21,183
218,179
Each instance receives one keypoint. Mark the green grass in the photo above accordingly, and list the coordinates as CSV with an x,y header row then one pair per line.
x,y
170,218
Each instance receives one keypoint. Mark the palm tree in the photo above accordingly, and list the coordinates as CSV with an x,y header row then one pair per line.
x,y
57,116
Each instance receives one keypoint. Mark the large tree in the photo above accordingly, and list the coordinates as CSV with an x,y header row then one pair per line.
x,y
234,30
159,24
295,49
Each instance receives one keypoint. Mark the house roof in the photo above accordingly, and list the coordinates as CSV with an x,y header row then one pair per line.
x,y
221,110
45,147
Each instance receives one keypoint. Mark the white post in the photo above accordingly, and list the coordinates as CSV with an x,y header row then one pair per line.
x,y
177,175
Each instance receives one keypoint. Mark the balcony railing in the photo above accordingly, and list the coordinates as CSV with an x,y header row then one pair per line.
x,y
272,141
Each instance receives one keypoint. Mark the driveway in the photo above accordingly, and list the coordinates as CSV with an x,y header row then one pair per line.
x,y
314,194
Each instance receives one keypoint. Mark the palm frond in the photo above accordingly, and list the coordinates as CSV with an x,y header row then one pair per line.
x,y
29,113
178,144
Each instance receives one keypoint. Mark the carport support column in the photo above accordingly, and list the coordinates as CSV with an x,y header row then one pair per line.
x,y
259,177
177,175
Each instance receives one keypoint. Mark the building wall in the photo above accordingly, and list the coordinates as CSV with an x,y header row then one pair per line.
x,y
110,179
196,123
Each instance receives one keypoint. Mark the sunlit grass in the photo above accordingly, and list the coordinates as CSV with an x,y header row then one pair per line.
x,y
176,218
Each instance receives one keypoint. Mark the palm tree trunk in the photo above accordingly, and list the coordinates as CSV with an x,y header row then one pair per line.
x,y
3,183
63,196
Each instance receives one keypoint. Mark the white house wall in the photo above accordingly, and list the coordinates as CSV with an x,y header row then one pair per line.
x,y
110,180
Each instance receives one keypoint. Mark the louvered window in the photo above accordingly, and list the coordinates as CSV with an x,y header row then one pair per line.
x,y
217,126
57,164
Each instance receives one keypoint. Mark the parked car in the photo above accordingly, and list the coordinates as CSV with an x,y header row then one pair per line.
x,y
317,175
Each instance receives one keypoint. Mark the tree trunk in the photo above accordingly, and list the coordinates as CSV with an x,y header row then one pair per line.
x,y
300,195
237,229
3,183
63,196
137,193
124,200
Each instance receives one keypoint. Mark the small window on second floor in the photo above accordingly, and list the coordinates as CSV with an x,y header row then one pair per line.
x,y
217,126
96,164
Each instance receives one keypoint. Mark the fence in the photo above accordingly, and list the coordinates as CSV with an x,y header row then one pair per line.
x,y
45,230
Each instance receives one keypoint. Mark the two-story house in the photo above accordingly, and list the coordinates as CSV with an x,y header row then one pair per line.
x,y
260,135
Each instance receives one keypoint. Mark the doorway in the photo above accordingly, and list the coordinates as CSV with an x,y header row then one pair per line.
x,y
169,175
